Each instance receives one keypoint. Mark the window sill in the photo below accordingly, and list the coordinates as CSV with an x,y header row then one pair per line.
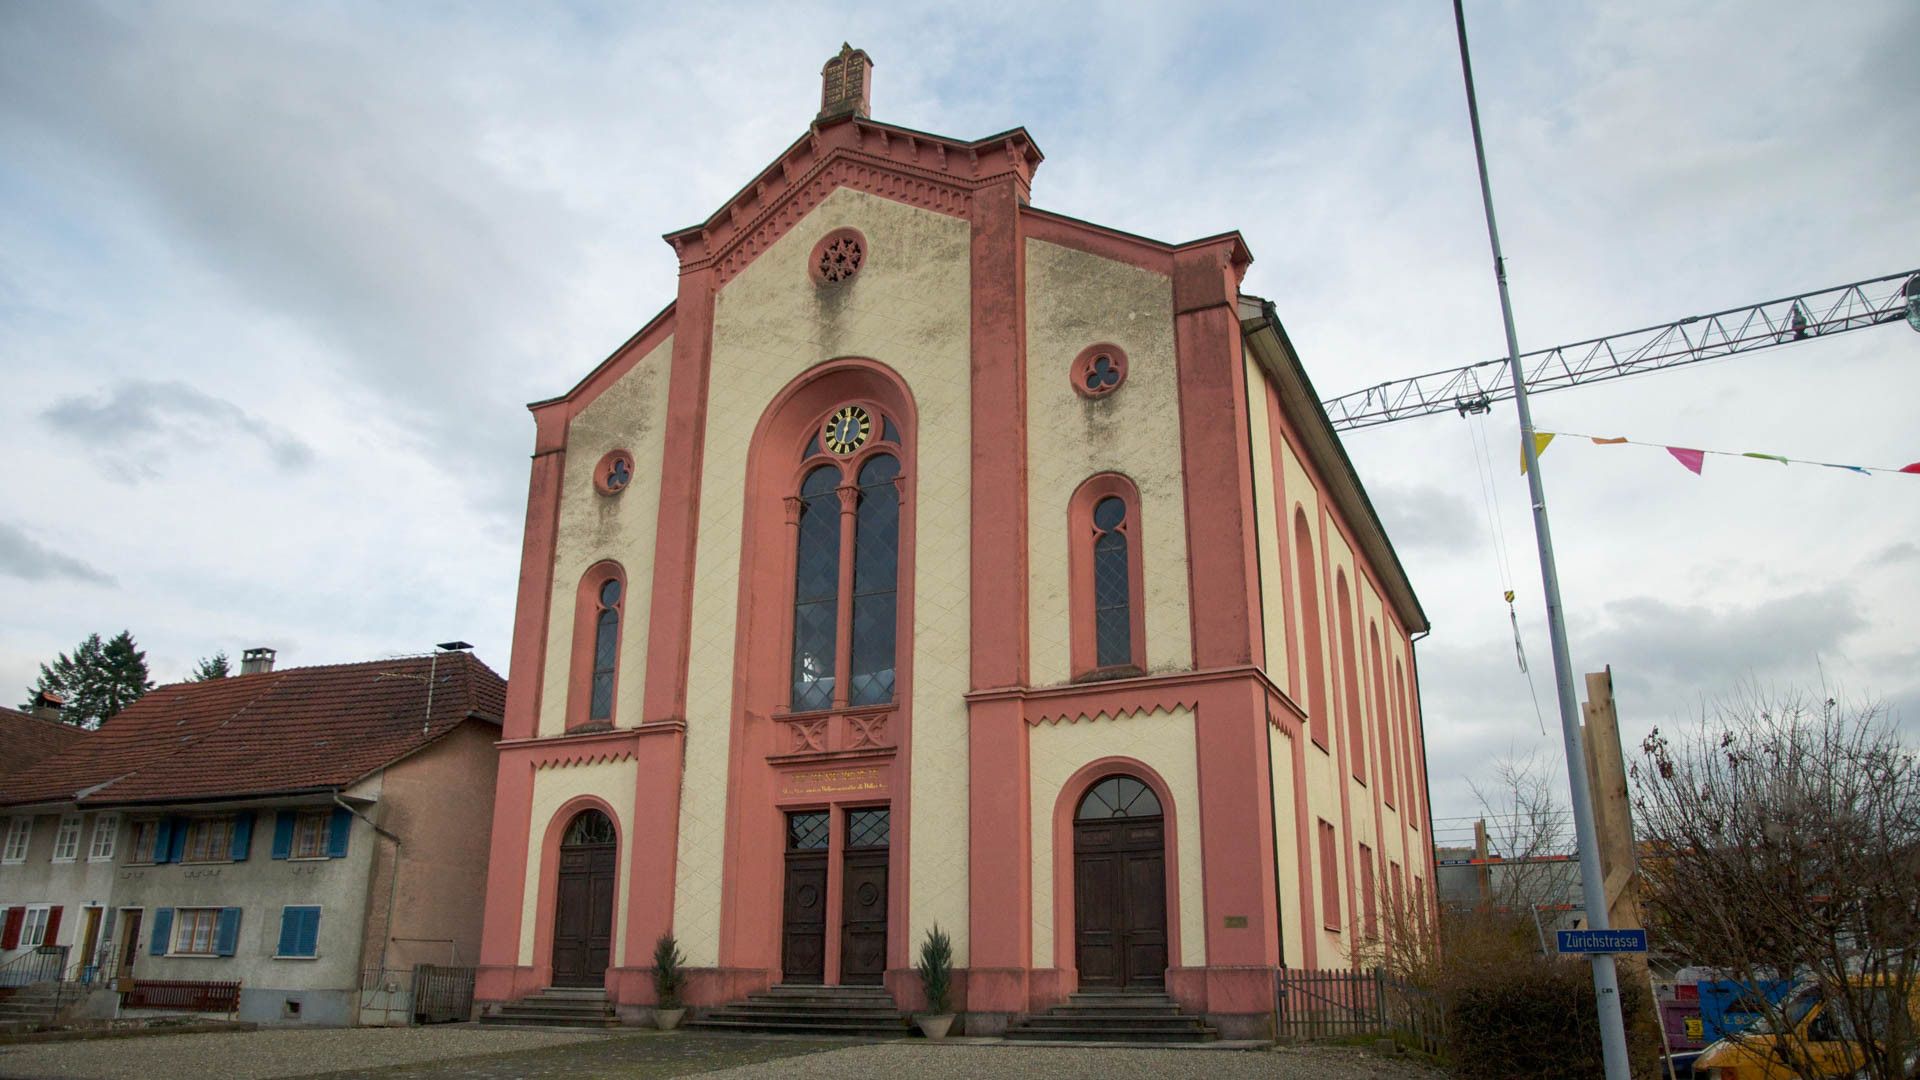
x,y
206,862
194,956
68,861
279,957
99,858
309,858
1330,929
13,862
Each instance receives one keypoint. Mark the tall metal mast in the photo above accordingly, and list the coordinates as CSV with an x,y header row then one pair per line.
x,y
1606,986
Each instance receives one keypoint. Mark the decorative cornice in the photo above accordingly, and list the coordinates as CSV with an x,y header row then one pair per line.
x,y
908,166
1123,697
594,748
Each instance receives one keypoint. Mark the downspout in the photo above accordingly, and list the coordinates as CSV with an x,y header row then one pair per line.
x,y
1426,794
393,885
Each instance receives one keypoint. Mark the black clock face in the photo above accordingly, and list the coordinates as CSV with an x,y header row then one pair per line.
x,y
847,430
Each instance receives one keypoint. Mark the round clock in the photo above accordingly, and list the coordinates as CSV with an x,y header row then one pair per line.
x,y
847,430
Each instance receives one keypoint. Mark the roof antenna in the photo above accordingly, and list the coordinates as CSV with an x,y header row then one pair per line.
x,y
432,666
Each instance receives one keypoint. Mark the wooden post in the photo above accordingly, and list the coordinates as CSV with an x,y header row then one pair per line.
x,y
1612,812
1486,872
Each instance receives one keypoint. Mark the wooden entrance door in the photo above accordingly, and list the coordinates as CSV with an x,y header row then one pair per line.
x,y
1120,886
803,947
129,939
863,898
89,936
583,908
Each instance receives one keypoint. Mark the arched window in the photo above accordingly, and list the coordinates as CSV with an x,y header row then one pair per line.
x,y
1118,797
1106,578
1350,679
846,562
599,610
1314,698
1382,724
588,828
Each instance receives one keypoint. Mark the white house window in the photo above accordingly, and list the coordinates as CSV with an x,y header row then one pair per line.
x,y
66,843
310,832
193,930
33,932
209,840
145,833
106,827
19,831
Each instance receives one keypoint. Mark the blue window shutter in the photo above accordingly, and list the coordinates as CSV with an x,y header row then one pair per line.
x,y
337,841
242,836
162,930
283,834
162,839
177,850
227,939
309,943
289,932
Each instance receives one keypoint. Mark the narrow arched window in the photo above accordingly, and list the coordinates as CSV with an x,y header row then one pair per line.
x,y
1105,575
1350,680
816,590
606,649
1314,696
1382,723
876,582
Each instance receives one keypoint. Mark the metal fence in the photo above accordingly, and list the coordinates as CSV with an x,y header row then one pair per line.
x,y
46,963
1345,1003
442,994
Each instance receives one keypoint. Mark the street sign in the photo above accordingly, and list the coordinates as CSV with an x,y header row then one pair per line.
x,y
1602,941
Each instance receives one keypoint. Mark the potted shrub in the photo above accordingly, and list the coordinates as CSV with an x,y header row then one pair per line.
x,y
668,980
936,978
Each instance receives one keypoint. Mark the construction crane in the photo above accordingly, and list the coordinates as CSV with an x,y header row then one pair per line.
x,y
1476,387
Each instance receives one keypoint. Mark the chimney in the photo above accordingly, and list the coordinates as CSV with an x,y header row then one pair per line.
x,y
845,85
47,706
256,661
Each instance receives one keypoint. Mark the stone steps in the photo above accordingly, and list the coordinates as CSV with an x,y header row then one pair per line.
x,y
812,1010
557,1007
1113,1016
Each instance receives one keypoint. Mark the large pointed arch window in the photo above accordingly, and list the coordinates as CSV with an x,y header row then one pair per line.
x,y
846,518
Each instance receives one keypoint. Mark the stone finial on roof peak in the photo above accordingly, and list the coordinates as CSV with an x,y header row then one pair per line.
x,y
846,84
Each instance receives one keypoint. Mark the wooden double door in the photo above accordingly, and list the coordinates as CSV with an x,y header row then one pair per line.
x,y
583,908
862,933
1120,902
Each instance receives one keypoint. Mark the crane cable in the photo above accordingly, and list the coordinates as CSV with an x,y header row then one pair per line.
x,y
1489,496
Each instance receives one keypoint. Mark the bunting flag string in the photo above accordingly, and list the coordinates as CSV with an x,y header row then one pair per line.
x,y
1695,460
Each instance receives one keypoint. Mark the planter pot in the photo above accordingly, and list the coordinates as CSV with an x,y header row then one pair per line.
x,y
668,1019
935,1027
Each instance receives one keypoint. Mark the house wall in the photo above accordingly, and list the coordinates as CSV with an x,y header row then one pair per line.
x,y
440,803
325,987
73,886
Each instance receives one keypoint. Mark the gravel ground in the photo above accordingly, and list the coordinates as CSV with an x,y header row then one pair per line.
x,y
258,1055
467,1053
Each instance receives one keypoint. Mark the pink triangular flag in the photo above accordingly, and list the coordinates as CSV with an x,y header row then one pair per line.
x,y
1913,468
1692,459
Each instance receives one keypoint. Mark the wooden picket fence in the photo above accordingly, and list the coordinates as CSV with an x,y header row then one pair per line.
x,y
184,995
1338,1004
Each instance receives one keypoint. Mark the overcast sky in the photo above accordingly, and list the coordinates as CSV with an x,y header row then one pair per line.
x,y
276,281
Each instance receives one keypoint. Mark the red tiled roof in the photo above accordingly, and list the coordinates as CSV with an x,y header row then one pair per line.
x,y
25,739
300,729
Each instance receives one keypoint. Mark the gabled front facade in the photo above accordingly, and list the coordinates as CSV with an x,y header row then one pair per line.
x,y
308,834
934,559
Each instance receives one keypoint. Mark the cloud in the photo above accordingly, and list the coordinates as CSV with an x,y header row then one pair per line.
x,y
23,557
153,417
1904,551
1653,641
1423,516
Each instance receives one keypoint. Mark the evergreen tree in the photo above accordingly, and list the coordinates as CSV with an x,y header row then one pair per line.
x,y
213,667
98,680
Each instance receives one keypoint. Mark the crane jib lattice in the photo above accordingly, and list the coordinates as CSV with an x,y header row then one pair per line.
x,y
1476,387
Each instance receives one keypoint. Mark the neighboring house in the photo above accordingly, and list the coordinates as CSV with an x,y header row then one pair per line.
x,y
25,738
304,833
938,559
1547,891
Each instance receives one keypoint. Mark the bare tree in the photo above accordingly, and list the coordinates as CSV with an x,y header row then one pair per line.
x,y
1527,823
1781,840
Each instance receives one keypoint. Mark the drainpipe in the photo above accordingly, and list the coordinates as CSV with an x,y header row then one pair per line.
x,y
393,885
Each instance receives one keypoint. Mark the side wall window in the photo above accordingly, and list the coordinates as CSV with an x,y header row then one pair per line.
x,y
1350,679
599,611
1329,877
1315,676
1383,725
1106,578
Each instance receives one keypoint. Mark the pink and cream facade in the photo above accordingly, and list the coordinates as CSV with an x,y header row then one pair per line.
x,y
934,559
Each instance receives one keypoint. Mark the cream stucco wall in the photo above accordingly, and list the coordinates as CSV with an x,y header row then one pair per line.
x,y
612,781
909,309
1286,851
1075,300
1164,741
631,414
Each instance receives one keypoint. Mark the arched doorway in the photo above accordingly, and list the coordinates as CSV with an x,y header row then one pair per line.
x,y
583,908
1120,886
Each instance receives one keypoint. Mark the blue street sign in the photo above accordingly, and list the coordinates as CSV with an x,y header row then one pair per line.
x,y
1602,941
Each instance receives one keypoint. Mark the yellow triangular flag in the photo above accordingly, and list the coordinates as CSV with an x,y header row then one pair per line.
x,y
1540,441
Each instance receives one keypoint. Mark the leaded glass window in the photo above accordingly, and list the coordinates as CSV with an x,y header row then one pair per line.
x,y
808,831
588,827
606,650
876,578
868,828
1119,797
816,590
1112,615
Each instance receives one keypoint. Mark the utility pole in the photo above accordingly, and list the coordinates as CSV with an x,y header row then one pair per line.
x,y
1606,986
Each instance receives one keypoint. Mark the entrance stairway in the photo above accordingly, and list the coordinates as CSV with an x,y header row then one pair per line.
x,y
557,1006
812,1010
1113,1016
38,1005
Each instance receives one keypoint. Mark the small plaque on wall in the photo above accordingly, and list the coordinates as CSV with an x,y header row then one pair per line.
x,y
1236,922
